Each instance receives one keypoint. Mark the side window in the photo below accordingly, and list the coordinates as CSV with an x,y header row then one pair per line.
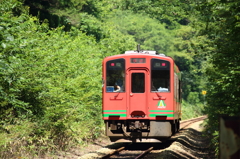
x,y
160,75
115,81
180,91
175,86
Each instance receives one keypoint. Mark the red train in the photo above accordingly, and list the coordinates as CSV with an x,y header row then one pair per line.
x,y
141,96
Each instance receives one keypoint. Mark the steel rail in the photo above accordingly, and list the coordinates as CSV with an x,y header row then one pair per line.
x,y
144,153
194,119
114,152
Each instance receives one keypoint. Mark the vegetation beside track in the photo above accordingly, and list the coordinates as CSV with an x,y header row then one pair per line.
x,y
190,110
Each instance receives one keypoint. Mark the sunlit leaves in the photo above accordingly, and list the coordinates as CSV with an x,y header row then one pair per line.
x,y
151,34
48,77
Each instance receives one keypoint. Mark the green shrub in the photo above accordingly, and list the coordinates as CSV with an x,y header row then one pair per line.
x,y
50,84
191,110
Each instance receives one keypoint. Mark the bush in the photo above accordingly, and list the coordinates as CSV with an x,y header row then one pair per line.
x,y
50,84
191,110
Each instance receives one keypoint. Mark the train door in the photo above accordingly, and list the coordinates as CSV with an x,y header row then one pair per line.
x,y
138,93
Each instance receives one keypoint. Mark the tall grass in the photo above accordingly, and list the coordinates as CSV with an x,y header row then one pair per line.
x,y
191,110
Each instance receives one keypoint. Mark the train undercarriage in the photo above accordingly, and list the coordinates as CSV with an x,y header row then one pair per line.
x,y
141,130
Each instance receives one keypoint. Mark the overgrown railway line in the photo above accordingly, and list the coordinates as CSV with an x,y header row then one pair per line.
x,y
140,150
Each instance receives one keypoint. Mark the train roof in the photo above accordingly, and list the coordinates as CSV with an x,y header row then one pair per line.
x,y
150,52
142,52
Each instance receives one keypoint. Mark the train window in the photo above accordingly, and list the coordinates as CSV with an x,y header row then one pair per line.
x,y
138,83
160,75
115,81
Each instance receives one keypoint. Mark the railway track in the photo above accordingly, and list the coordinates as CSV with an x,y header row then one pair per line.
x,y
139,150
185,123
133,151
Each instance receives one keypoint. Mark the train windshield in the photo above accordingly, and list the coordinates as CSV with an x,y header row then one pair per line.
x,y
160,75
115,81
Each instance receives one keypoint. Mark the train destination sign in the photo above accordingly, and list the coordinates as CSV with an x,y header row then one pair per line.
x,y
138,60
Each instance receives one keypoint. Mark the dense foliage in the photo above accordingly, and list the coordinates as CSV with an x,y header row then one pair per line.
x,y
50,83
223,28
51,53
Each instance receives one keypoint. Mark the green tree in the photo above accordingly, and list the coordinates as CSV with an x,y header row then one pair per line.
x,y
146,31
222,28
172,13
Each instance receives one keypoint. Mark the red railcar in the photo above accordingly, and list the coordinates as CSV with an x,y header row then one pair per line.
x,y
141,96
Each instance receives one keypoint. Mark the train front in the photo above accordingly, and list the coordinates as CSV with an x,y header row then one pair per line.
x,y
140,97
